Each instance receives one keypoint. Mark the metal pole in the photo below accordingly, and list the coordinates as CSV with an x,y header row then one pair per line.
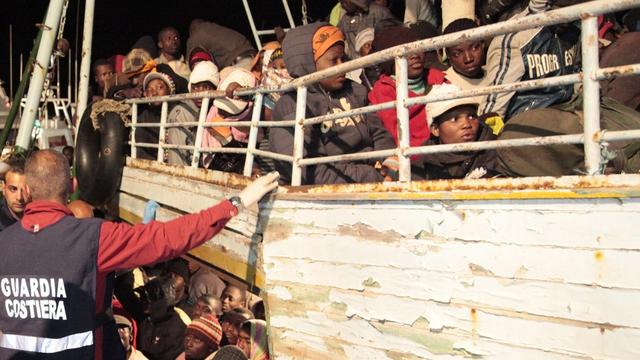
x,y
202,118
285,3
256,37
298,136
10,61
591,95
402,111
85,63
164,110
40,68
253,134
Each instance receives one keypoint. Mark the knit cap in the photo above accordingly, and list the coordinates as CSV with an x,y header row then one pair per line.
x,y
204,71
363,37
162,76
228,76
207,329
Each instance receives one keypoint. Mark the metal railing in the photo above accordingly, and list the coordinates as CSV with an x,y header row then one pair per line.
x,y
592,137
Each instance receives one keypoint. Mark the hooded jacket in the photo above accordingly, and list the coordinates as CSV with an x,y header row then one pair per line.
x,y
373,16
458,165
346,135
223,43
532,54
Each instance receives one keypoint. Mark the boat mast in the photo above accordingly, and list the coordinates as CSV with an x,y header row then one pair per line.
x,y
49,33
85,64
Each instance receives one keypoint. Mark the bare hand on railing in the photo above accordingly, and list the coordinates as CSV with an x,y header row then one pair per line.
x,y
230,89
389,168
258,188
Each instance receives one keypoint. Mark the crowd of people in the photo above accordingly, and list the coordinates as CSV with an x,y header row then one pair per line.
x,y
176,309
218,58
127,283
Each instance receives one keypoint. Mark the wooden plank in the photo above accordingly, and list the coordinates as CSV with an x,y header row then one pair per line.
x,y
463,330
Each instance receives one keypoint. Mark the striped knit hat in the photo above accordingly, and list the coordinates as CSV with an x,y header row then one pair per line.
x,y
207,329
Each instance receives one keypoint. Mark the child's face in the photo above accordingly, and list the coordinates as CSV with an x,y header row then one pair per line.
x,y
231,298
244,342
277,63
416,65
331,58
461,125
467,58
230,332
366,48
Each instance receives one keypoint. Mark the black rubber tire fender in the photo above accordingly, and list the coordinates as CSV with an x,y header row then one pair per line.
x,y
100,157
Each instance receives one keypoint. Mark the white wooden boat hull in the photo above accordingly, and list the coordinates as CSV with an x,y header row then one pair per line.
x,y
526,269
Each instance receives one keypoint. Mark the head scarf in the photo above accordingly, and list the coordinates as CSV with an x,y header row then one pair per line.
x,y
324,38
363,37
258,346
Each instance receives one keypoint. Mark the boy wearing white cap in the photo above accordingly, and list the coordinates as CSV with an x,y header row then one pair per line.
x,y
204,77
452,122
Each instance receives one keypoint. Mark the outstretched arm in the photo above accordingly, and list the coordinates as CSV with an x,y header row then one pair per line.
x,y
123,246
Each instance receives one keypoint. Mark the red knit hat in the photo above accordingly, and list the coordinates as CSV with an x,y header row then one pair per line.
x,y
207,329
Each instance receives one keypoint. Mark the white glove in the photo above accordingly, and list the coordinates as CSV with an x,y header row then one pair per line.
x,y
258,188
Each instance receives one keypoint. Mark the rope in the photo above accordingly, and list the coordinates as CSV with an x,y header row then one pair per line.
x,y
107,105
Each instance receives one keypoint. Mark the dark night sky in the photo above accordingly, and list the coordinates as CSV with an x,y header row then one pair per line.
x,y
119,23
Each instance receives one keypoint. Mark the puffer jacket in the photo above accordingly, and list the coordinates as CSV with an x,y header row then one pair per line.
x,y
346,135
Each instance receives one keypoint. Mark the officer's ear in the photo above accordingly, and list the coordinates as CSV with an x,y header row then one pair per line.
x,y
27,191
73,185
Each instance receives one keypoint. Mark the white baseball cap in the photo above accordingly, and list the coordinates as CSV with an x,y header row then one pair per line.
x,y
438,108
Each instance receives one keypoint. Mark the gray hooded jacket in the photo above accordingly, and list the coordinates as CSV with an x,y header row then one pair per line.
x,y
346,135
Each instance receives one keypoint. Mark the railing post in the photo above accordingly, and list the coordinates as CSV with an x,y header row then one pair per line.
x,y
253,134
163,130
591,95
202,118
298,136
402,94
134,122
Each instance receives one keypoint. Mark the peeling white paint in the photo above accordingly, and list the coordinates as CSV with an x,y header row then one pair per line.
x,y
280,292
361,352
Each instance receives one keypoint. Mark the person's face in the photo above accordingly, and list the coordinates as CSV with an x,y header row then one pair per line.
x,y
156,87
244,342
230,332
68,153
125,337
349,7
278,64
467,58
200,87
195,348
103,72
231,298
366,48
333,57
179,287
416,65
461,125
204,308
15,192
169,42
